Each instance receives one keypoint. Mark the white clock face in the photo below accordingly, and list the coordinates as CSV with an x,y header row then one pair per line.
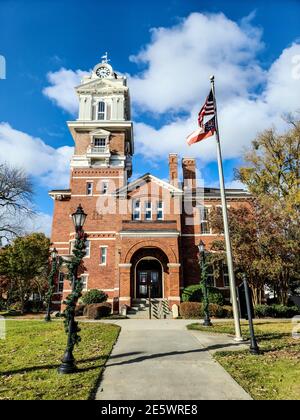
x,y
102,72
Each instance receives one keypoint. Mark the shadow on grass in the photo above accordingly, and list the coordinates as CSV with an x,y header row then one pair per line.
x,y
79,362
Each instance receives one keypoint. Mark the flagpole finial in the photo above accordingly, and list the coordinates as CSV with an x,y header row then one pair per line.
x,y
212,78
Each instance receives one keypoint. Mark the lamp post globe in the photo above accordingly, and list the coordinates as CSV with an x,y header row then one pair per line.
x,y
79,217
201,247
54,254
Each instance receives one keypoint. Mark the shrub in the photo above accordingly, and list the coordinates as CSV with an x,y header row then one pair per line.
x,y
190,310
281,311
275,311
215,311
215,296
98,310
263,311
34,306
94,296
192,293
196,310
17,306
227,311
3,306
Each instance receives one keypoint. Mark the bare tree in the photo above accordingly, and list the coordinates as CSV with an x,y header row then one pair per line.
x,y
16,192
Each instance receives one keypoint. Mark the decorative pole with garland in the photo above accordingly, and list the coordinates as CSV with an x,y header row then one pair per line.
x,y
55,263
203,267
71,326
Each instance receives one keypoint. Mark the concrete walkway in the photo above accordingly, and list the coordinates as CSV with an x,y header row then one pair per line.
x,y
162,360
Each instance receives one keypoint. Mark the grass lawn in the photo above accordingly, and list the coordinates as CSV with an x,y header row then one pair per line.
x,y
273,375
32,352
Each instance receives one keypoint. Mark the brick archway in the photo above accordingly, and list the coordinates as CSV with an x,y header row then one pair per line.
x,y
168,251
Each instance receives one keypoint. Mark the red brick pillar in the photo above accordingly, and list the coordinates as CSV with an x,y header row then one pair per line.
x,y
125,298
174,284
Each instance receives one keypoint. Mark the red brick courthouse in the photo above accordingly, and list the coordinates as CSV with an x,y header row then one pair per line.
x,y
140,231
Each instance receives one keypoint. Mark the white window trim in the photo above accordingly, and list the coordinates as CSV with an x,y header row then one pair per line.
x,y
97,110
99,138
85,289
106,104
92,188
148,209
160,209
105,181
139,208
60,282
100,248
205,220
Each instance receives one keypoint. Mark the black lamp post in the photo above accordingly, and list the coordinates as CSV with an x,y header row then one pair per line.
x,y
203,267
68,362
254,349
54,255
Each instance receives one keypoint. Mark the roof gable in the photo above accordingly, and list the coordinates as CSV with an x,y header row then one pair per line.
x,y
145,179
101,84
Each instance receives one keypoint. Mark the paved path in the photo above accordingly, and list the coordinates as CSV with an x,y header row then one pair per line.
x,y
161,360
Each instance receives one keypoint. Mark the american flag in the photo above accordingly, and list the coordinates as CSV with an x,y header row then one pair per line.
x,y
207,109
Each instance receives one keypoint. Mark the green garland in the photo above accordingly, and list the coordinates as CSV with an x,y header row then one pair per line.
x,y
203,286
72,299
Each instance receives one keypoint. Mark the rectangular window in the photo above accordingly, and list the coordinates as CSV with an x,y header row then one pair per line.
x,y
99,144
60,284
204,224
160,210
148,210
87,248
225,276
101,111
136,211
103,255
104,189
84,280
89,188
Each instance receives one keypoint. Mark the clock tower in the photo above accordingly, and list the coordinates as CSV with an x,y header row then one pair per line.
x,y
103,131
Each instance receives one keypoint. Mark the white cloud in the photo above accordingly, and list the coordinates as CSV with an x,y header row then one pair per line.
x,y
177,64
283,87
36,157
181,59
230,53
61,90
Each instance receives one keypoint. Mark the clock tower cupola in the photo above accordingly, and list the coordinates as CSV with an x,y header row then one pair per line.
x,y
103,130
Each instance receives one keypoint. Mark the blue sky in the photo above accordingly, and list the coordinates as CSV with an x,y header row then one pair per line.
x,y
42,37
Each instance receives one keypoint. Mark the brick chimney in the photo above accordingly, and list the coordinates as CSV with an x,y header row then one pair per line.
x,y
173,169
189,172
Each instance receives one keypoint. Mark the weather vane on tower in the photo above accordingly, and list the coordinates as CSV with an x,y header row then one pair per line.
x,y
105,58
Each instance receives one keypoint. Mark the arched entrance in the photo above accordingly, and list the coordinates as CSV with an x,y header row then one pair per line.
x,y
149,273
149,279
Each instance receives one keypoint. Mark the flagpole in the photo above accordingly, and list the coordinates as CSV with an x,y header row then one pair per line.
x,y
238,333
